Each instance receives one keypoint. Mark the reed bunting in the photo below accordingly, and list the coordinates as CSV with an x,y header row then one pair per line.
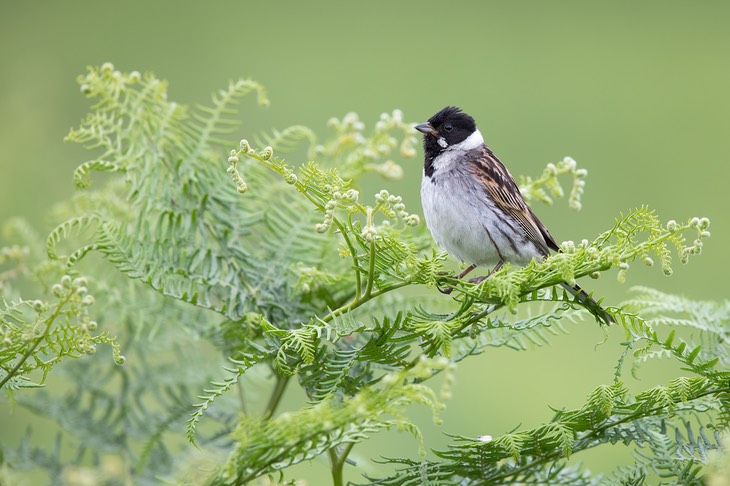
x,y
472,205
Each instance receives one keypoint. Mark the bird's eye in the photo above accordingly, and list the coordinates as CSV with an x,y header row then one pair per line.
x,y
448,127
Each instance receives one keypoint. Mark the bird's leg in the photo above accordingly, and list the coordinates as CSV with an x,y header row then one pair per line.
x,y
484,277
466,271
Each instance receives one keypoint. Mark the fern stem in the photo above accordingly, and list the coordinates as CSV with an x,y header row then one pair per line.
x,y
355,303
355,261
371,270
276,394
338,462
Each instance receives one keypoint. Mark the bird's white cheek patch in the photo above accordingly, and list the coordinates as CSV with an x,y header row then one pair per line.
x,y
442,142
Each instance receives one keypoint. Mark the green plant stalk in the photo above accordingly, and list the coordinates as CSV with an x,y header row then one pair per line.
x,y
338,462
371,270
354,304
355,261
281,382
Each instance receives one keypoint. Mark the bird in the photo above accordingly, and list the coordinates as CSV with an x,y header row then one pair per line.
x,y
473,207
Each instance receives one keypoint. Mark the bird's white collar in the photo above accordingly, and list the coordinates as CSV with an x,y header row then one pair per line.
x,y
471,142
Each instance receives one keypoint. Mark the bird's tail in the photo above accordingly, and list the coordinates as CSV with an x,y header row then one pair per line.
x,y
588,301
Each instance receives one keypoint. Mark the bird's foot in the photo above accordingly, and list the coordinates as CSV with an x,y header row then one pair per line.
x,y
477,280
445,290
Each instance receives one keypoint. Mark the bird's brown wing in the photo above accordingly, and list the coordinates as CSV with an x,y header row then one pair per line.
x,y
501,188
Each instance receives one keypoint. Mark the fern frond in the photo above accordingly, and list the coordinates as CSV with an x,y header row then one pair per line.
x,y
331,374
303,341
212,122
66,229
548,182
81,174
602,400
384,347
242,364
701,353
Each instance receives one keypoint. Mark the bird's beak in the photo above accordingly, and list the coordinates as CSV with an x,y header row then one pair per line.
x,y
427,129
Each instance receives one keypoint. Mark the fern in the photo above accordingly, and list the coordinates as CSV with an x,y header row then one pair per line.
x,y
242,364
268,445
236,285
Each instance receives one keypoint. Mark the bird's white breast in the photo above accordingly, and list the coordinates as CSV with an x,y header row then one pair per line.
x,y
462,219
457,222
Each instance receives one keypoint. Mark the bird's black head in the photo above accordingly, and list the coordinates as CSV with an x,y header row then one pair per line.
x,y
446,128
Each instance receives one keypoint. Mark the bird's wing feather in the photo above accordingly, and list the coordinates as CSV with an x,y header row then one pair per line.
x,y
544,231
501,188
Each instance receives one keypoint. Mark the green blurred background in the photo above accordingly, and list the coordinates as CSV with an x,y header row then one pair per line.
x,y
636,92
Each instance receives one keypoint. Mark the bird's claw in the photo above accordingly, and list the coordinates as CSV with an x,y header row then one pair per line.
x,y
446,290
